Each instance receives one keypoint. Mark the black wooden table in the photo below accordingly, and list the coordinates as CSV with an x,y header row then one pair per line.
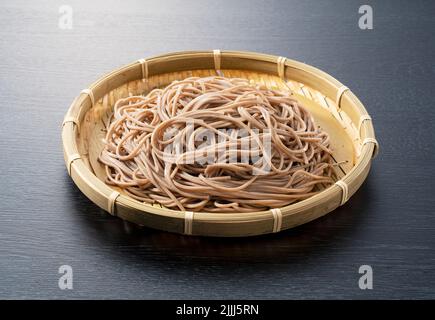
x,y
47,222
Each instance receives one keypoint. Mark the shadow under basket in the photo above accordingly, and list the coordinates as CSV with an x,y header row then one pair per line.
x,y
334,108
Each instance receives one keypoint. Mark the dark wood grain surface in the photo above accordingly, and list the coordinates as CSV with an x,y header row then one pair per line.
x,y
47,222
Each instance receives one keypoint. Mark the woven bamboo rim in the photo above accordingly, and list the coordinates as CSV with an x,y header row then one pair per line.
x,y
310,83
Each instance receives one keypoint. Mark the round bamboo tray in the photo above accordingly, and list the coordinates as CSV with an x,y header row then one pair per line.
x,y
334,107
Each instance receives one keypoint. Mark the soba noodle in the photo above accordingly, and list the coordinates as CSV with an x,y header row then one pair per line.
x,y
156,152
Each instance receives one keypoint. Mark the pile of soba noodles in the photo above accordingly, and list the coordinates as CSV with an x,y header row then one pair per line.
x,y
216,144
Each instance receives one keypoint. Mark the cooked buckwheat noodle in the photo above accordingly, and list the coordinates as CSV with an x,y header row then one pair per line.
x,y
137,159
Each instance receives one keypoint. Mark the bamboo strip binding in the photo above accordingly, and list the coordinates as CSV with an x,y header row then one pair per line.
x,y
111,204
364,117
188,222
90,94
144,66
280,64
261,67
70,161
277,220
340,93
345,191
70,119
375,142
217,59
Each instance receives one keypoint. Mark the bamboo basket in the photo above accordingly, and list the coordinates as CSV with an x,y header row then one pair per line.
x,y
334,107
